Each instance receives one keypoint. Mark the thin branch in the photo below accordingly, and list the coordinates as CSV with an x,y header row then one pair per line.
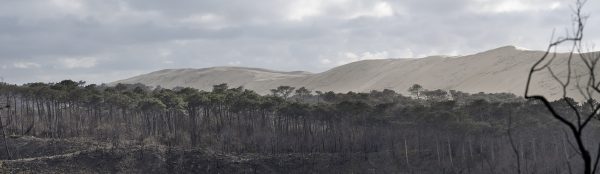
x,y
597,159
570,143
577,129
512,144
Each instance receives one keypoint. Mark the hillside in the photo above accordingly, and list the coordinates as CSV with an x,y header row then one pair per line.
x,y
498,70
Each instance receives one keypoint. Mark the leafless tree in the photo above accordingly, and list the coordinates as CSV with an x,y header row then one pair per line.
x,y
2,125
512,144
576,82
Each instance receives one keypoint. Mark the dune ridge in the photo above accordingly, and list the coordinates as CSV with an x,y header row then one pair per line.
x,y
498,70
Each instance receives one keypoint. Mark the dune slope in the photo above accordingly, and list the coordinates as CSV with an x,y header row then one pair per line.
x,y
498,70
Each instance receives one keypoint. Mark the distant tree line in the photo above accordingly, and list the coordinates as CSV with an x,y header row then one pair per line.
x,y
431,130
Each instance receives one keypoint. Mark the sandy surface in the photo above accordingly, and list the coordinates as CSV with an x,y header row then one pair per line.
x,y
502,69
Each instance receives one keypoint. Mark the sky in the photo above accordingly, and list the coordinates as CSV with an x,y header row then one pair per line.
x,y
101,41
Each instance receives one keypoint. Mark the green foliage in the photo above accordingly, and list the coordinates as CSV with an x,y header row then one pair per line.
x,y
151,104
283,91
240,120
415,90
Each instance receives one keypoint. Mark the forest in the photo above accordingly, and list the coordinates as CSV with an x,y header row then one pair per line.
x,y
427,132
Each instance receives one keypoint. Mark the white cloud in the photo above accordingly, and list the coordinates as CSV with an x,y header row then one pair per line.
x,y
522,48
165,52
201,18
382,9
26,65
86,62
506,6
379,10
75,7
343,9
402,53
304,8
123,14
325,61
554,5
349,57
68,4
206,20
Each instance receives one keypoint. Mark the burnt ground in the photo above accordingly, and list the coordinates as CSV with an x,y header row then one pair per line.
x,y
34,155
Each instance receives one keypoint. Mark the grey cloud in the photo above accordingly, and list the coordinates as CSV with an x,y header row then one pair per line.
x,y
131,37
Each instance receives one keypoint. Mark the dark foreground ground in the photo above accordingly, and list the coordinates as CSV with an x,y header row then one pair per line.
x,y
34,155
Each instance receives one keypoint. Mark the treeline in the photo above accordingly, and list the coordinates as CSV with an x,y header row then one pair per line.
x,y
429,131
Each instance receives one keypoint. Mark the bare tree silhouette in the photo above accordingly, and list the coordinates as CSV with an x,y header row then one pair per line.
x,y
2,125
575,82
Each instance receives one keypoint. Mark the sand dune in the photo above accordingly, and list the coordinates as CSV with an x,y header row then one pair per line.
x,y
498,70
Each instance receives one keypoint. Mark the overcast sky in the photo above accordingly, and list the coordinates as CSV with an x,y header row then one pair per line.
x,y
106,40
